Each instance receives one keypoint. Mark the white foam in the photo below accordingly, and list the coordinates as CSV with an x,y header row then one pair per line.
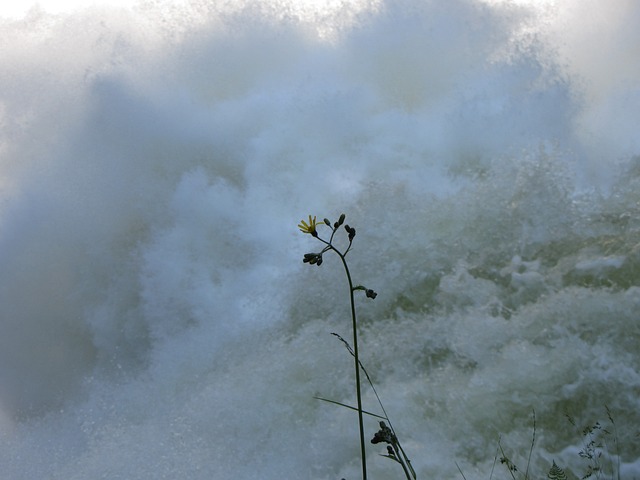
x,y
157,319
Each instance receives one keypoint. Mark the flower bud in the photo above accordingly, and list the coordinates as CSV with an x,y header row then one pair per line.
x,y
385,434
351,231
312,258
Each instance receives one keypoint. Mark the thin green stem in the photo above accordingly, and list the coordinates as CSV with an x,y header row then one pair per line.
x,y
357,364
401,461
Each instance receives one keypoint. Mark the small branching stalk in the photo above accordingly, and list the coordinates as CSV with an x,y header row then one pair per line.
x,y
386,433
512,467
602,462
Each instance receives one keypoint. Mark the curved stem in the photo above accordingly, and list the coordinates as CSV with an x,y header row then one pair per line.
x,y
357,365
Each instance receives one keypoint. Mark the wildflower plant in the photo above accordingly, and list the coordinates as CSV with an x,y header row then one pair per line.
x,y
602,457
603,464
386,434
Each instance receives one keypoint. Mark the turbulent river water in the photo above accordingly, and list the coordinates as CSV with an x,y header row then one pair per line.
x,y
156,318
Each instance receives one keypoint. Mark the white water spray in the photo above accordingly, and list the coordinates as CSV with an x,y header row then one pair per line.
x,y
156,320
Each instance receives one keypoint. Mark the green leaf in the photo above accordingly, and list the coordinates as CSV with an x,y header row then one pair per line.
x,y
556,473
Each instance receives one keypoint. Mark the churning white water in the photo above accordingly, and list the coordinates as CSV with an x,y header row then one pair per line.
x,y
156,319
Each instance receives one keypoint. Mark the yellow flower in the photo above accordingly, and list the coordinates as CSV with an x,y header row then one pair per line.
x,y
308,227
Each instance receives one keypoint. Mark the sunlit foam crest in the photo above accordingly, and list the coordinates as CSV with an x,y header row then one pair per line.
x,y
328,16
18,10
